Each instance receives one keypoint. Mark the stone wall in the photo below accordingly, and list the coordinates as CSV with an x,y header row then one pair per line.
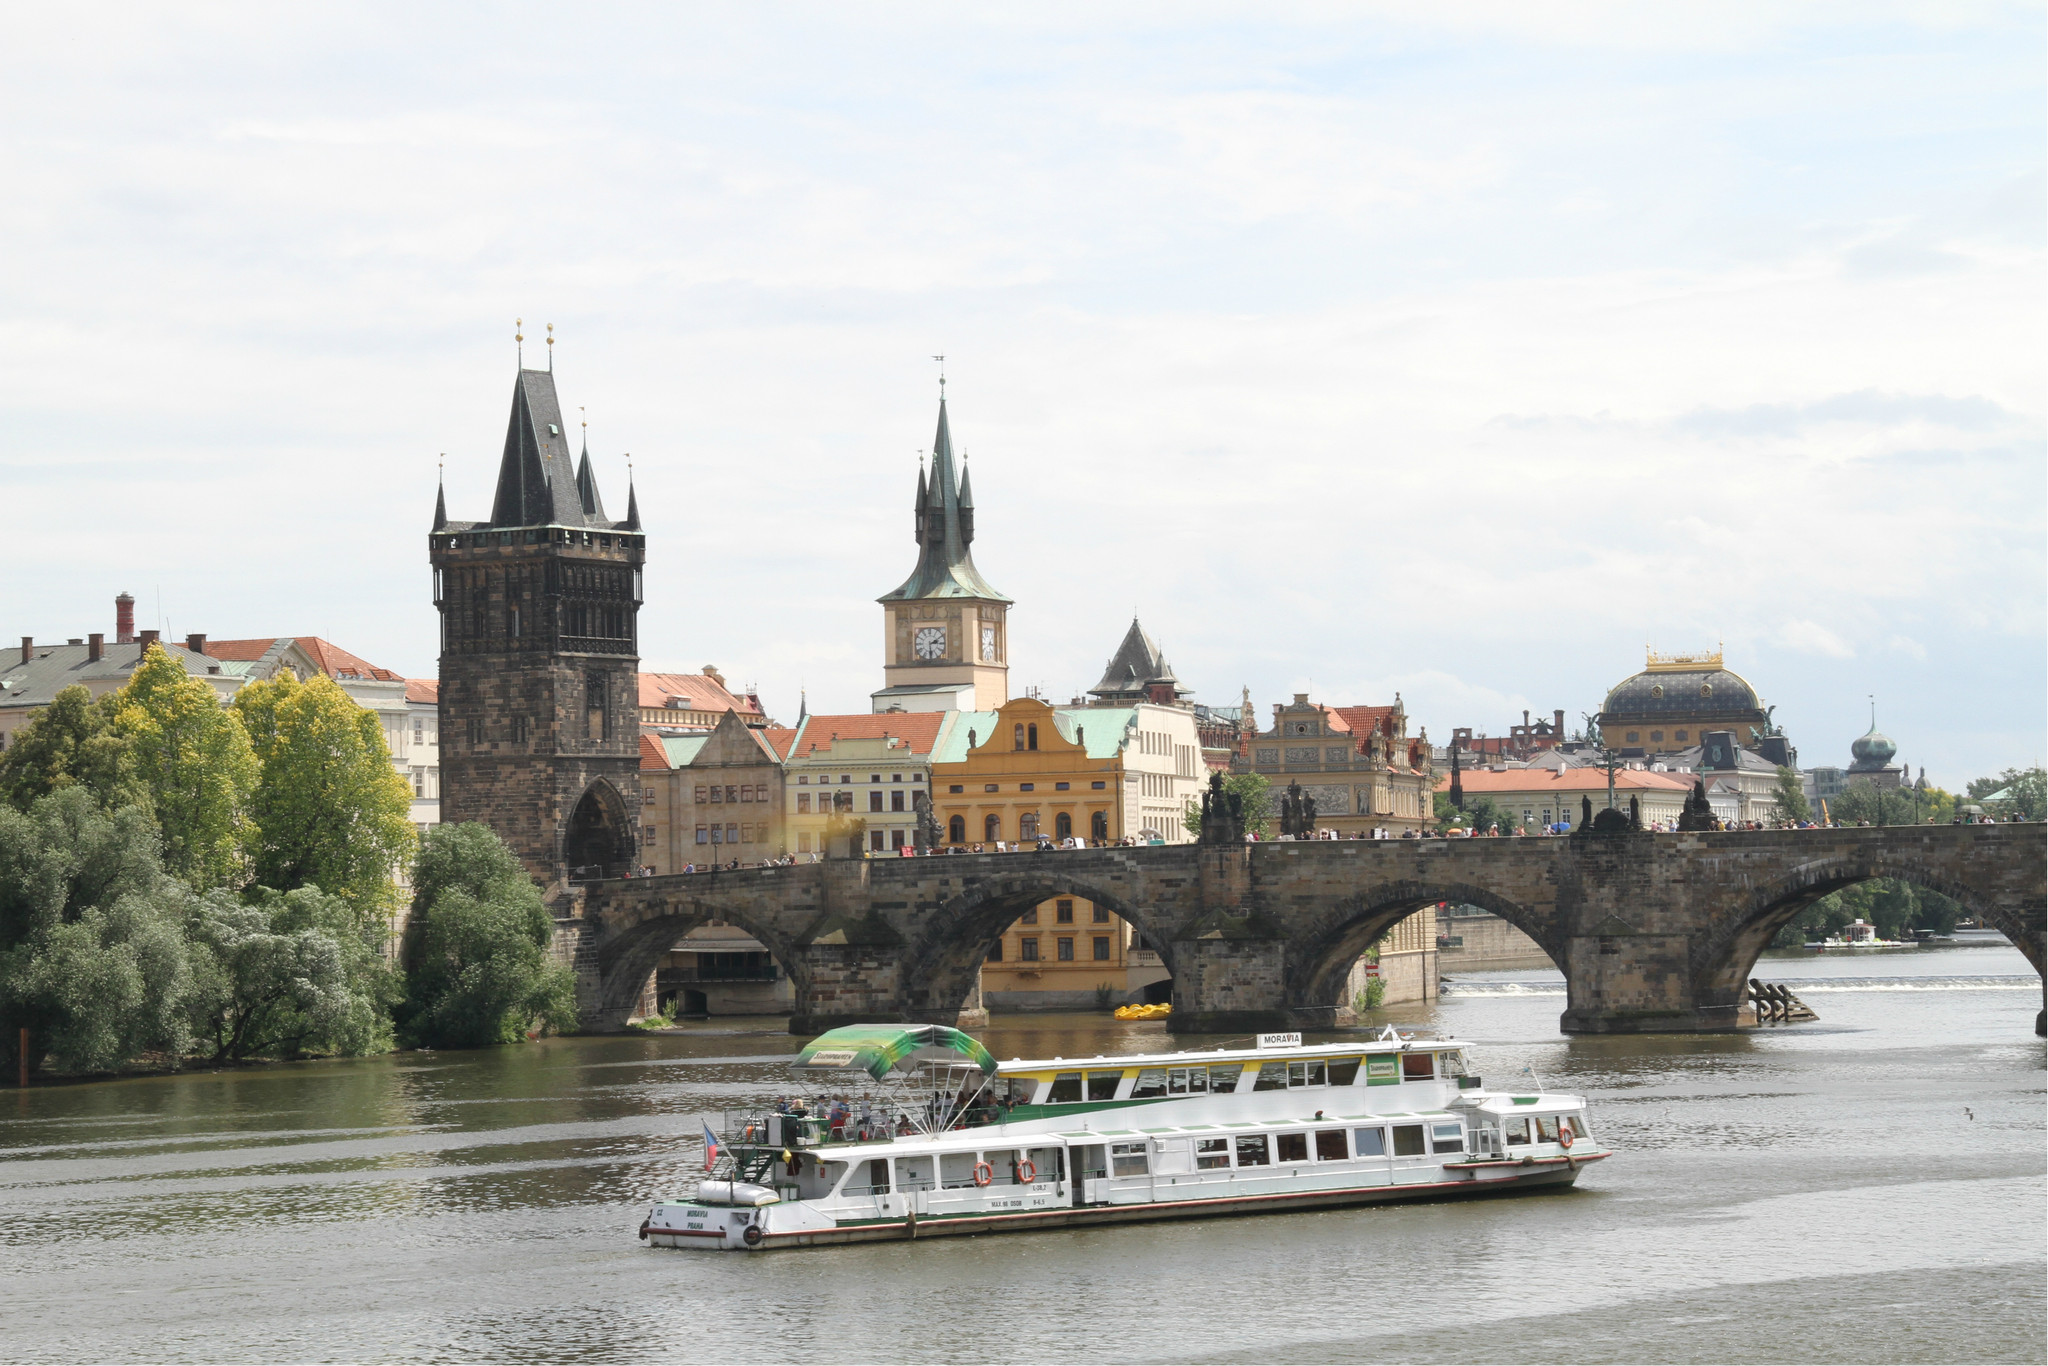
x,y
1490,945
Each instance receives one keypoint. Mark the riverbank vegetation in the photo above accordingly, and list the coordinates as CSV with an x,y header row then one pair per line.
x,y
185,881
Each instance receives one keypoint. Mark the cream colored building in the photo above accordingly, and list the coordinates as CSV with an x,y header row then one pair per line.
x,y
866,767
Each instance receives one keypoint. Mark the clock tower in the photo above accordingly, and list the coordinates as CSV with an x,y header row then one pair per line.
x,y
945,632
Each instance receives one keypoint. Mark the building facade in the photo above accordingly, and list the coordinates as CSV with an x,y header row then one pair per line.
x,y
1367,776
1675,700
870,768
710,799
695,701
1069,954
1537,797
539,676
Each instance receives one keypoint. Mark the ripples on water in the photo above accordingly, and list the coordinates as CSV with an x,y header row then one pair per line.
x,y
1818,1192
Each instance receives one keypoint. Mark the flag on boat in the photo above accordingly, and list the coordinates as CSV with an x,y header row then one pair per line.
x,y
710,1147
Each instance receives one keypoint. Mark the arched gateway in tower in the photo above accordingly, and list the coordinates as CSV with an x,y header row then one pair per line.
x,y
540,654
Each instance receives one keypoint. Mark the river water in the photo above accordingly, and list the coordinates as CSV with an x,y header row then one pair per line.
x,y
1867,1188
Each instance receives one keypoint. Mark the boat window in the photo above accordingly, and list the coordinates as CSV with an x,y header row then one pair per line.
x,y
1066,1089
956,1171
1226,1076
1002,1166
1211,1153
1127,1159
1191,1081
1102,1085
1370,1142
1017,1090
1518,1129
1418,1066
1088,1162
1308,1073
870,1178
1382,1071
1447,1138
1408,1140
914,1173
1048,1164
1330,1145
1151,1082
1576,1125
1454,1063
1546,1128
1293,1147
1343,1071
1272,1077
1251,1150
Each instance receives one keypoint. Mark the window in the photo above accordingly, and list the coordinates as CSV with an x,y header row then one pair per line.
x,y
1678,735
1017,736
1447,1138
1251,1150
1656,735
1098,824
419,730
1571,1125
1027,826
1063,912
594,707
1031,734
1211,1153
1066,948
1029,917
957,787
1308,1073
801,781
1062,825
1291,1147
1518,1130
995,952
874,777
703,834
875,801
1225,1077
896,838
991,787
1330,1145
843,778
1272,1077
1066,1089
1634,737
875,841
956,830
1187,1081
1061,787
803,803
1369,1142
803,842
1546,1128
1102,948
1418,1066
1408,1140
1127,1159
1027,949
747,833
1343,1071
1102,1085
895,800
1099,784
1151,1082
717,794
895,777
476,732
718,834
992,828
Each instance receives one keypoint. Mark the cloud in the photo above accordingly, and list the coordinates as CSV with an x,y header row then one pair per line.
x,y
1809,637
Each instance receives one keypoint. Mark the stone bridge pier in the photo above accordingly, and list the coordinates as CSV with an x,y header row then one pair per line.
x,y
1653,932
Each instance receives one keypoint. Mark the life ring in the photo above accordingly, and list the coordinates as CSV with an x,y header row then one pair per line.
x,y
983,1173
1026,1173
1565,1138
753,1236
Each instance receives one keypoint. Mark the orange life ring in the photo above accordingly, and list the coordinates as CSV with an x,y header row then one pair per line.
x,y
983,1173
1026,1173
1565,1137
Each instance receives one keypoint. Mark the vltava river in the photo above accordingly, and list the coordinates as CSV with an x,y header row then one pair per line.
x,y
1869,1188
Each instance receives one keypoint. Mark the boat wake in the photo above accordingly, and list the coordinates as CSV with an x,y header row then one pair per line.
x,y
1802,985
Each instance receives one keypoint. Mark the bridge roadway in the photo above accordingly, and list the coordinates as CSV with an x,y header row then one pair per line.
x,y
1654,932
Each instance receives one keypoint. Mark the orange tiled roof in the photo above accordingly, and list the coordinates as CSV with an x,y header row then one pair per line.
x,y
1363,721
778,739
423,690
652,755
1481,781
331,659
919,730
705,693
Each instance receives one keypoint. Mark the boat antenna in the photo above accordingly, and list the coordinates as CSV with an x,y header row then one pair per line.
x,y
1530,1072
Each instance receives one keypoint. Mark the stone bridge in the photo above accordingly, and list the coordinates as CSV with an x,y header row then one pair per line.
x,y
1654,932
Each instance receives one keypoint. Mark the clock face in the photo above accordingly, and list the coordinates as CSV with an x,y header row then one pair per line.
x,y
929,642
988,643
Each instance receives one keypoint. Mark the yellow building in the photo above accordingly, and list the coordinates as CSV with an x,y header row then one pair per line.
x,y
1069,954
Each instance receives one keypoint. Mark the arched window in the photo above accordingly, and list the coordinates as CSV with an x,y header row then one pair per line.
x,y
956,830
1098,826
1027,826
1033,729
1017,736
1062,826
992,828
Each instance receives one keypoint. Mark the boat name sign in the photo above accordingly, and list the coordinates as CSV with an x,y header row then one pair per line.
x,y
1279,1040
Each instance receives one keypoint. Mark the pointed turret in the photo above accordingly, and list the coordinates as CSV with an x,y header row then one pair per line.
x,y
1137,672
586,488
441,507
632,522
537,484
966,501
944,525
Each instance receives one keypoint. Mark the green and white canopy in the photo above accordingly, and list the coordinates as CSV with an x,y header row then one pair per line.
x,y
879,1049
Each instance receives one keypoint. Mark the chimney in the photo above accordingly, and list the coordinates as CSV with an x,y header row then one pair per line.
x,y
124,619
95,647
28,648
143,642
1559,729
196,644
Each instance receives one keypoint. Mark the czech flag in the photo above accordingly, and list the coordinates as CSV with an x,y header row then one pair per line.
x,y
710,1148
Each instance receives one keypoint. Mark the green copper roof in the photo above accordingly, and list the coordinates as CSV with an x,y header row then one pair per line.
x,y
1098,730
945,531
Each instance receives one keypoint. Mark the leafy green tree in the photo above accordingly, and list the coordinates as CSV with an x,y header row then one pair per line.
x,y
287,974
92,960
1892,905
1254,794
1866,802
1791,797
479,971
194,757
72,743
2021,794
328,809
1480,814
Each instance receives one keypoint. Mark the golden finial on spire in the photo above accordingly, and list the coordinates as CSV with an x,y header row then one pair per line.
x,y
551,348
519,340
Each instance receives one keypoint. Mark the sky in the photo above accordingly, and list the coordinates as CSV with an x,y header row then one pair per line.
x,y
1460,352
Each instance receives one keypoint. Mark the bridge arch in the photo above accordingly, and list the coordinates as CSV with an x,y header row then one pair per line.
x,y
598,839
1320,959
639,938
943,964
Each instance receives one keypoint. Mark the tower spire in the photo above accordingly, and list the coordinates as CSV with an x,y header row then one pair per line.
x,y
441,492
519,341
632,497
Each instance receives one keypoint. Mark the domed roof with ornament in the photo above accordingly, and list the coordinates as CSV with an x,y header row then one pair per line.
x,y
1682,685
1872,750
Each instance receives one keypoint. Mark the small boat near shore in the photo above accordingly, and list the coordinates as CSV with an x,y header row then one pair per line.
x,y
915,1131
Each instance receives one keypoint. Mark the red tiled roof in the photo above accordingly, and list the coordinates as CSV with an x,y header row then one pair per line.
x,y
652,755
919,730
1480,781
778,739
705,693
330,658
423,690
1363,721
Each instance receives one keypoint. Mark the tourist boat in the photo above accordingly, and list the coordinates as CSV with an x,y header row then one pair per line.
x,y
1859,934
915,1131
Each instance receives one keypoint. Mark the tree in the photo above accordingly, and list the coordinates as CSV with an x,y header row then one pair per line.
x,y
328,810
1791,797
194,757
92,961
289,973
2018,794
1254,794
72,743
480,972
1867,802
1479,814
1890,904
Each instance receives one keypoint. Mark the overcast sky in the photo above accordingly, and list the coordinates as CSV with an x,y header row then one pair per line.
x,y
1356,349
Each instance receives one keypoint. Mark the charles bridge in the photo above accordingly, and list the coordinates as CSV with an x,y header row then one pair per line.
x,y
1654,932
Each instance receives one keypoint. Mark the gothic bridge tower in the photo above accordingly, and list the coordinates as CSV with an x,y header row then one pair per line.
x,y
540,654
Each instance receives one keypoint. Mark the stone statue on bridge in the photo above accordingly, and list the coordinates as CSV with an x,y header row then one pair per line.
x,y
1696,815
927,823
1222,814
